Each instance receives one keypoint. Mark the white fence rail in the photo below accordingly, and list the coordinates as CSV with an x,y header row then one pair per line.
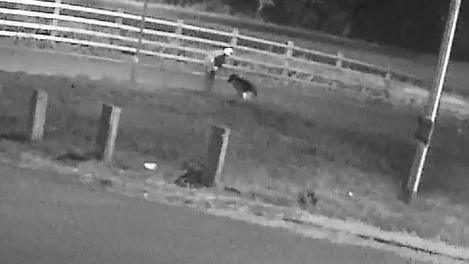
x,y
119,31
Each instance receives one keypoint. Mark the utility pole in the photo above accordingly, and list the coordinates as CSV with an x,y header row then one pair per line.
x,y
426,123
133,70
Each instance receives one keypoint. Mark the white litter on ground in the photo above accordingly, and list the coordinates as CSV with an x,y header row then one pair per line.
x,y
150,165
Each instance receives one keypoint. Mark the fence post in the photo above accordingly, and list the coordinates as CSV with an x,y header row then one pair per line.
x,y
37,115
178,31
107,133
234,43
119,21
133,71
180,26
55,21
340,58
288,55
234,37
216,152
388,72
178,40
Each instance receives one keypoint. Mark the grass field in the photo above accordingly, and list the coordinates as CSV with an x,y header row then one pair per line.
x,y
281,146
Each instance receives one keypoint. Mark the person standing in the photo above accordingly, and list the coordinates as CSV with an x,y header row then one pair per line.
x,y
214,63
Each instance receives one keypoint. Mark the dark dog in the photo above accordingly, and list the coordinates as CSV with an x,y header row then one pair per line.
x,y
242,86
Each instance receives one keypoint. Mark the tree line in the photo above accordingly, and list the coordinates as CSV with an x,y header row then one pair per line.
x,y
411,24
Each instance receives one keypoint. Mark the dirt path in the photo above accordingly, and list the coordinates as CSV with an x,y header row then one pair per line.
x,y
48,218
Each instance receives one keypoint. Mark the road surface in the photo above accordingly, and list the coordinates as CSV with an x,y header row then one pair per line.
x,y
48,218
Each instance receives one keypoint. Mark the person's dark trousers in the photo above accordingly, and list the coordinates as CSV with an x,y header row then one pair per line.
x,y
209,80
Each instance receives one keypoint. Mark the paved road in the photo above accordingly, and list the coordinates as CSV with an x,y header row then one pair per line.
x,y
48,218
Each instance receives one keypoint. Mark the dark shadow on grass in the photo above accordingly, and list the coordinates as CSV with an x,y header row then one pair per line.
x,y
15,137
71,157
193,178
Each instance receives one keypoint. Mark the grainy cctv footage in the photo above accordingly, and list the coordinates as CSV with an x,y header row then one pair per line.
x,y
234,131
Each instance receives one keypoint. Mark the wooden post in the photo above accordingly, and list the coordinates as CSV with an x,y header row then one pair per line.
x,y
107,132
388,72
37,115
288,55
178,31
234,44
234,37
119,21
180,26
133,70
426,123
340,58
215,159
178,40
55,21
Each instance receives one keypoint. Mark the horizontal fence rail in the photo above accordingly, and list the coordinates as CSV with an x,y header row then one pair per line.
x,y
120,31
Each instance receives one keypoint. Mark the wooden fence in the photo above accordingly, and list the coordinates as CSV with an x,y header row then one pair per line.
x,y
116,30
